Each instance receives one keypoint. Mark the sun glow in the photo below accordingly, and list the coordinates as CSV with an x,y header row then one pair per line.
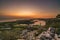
x,y
26,13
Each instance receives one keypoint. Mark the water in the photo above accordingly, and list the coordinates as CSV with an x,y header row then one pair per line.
x,y
38,22
8,20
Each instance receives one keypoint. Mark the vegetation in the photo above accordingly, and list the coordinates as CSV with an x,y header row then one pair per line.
x,y
12,30
58,16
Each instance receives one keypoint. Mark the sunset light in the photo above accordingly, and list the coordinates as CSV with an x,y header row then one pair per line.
x,y
25,13
28,9
29,20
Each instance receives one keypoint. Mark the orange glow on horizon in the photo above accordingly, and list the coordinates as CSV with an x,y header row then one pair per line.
x,y
26,13
29,14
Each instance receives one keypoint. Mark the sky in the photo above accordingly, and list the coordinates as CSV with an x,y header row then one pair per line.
x,y
17,9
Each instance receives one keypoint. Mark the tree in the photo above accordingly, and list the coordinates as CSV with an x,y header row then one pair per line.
x,y
58,16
